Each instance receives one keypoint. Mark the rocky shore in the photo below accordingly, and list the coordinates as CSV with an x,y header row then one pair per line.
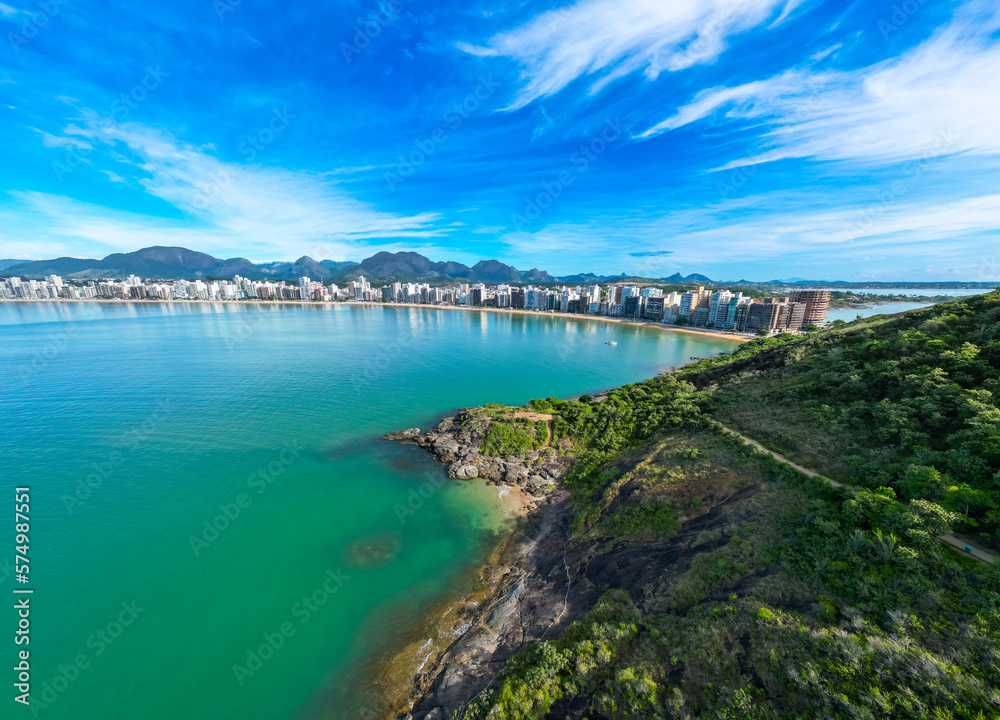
x,y
523,598
524,592
456,441
539,581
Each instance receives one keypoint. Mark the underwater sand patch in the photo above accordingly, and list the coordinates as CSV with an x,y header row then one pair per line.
x,y
373,550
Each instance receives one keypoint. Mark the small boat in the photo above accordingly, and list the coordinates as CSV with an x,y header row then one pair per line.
x,y
613,341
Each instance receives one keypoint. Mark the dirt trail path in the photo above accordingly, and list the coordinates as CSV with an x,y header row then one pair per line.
x,y
963,547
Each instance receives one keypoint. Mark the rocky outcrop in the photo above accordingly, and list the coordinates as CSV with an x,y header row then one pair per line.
x,y
543,583
525,593
542,579
456,441
410,434
530,599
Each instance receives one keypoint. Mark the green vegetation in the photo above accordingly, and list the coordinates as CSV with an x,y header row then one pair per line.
x,y
800,600
909,403
508,435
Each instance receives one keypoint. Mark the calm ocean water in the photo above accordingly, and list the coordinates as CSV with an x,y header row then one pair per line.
x,y
849,314
951,292
139,427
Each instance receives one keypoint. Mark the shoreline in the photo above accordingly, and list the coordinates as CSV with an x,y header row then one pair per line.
x,y
403,674
703,332
396,675
469,635
443,656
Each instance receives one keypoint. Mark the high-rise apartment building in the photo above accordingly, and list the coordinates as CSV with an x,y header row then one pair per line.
x,y
817,304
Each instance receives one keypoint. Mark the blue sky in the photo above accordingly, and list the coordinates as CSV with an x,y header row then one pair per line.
x,y
750,139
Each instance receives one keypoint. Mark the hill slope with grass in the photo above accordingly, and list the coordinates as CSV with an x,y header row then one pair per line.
x,y
755,592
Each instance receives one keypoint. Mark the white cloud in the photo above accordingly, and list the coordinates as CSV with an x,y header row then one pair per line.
x,y
61,141
7,10
114,177
936,98
960,230
256,200
226,207
608,39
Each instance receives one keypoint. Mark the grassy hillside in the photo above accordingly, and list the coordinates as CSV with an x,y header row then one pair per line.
x,y
798,599
909,403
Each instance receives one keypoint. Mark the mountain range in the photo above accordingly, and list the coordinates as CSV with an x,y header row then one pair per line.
x,y
167,263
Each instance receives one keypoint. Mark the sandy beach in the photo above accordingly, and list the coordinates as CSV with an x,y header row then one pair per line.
x,y
704,332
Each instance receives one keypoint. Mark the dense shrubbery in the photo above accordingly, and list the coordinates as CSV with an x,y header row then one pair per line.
x,y
841,603
909,403
508,436
860,614
652,518
625,417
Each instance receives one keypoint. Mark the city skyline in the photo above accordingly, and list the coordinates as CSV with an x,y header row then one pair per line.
x,y
794,139
722,310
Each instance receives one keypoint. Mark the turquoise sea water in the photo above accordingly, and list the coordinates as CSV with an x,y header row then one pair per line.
x,y
138,427
851,314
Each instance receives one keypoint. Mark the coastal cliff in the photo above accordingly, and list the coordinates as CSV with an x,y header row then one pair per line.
x,y
668,569
543,579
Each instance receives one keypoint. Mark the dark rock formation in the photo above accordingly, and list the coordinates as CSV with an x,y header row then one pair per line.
x,y
456,441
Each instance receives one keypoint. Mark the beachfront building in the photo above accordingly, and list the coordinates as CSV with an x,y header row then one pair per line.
x,y
722,309
719,301
817,303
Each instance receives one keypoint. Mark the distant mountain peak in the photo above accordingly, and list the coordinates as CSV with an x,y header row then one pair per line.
x,y
694,277
168,263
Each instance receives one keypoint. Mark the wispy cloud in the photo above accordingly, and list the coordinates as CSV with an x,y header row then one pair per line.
x,y
652,253
222,205
890,111
745,231
608,39
62,141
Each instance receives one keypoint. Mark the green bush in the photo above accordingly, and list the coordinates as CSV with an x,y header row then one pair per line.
x,y
514,436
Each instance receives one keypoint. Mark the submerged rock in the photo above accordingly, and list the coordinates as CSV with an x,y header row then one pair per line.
x,y
374,550
466,472
411,434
